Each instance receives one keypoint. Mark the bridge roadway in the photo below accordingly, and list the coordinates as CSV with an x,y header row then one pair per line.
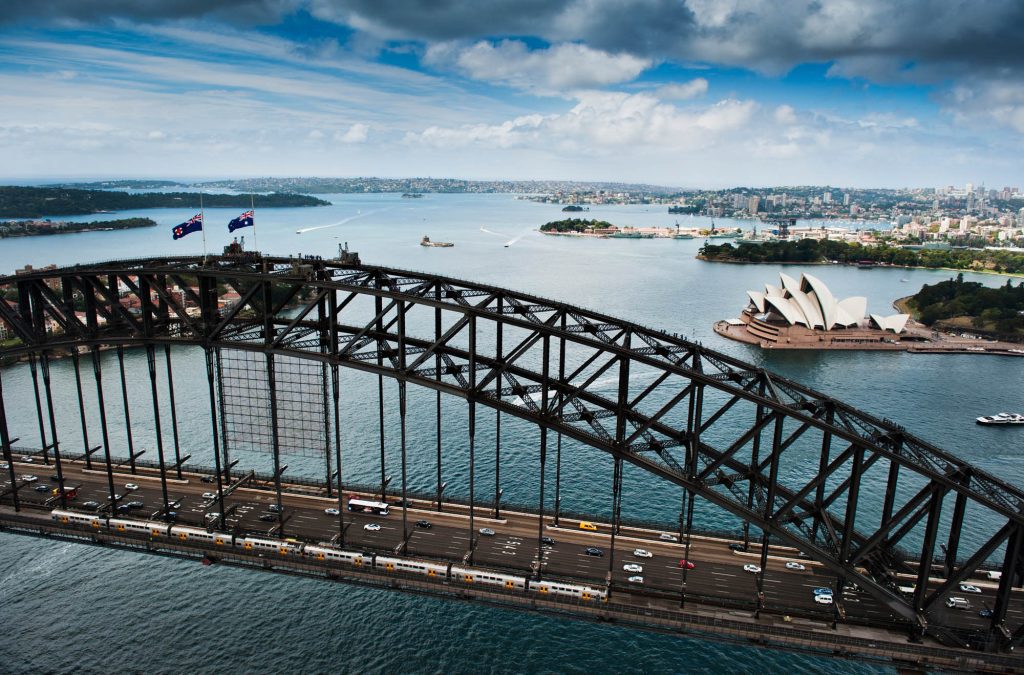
x,y
718,577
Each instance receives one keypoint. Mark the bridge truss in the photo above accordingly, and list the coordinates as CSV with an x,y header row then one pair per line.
x,y
791,463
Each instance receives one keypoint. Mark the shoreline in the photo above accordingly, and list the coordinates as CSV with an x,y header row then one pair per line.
x,y
1013,275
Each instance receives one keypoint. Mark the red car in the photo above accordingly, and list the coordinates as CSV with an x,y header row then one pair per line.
x,y
686,564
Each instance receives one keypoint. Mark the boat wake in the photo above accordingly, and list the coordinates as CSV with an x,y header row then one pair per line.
x,y
496,234
340,222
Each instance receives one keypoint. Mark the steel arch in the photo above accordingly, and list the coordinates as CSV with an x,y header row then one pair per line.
x,y
296,306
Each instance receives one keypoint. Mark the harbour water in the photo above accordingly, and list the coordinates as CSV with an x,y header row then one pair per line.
x,y
73,608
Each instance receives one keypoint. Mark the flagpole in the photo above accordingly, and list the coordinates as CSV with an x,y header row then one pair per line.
x,y
202,219
252,207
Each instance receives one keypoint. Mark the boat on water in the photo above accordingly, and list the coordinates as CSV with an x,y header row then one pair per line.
x,y
1001,418
435,244
682,236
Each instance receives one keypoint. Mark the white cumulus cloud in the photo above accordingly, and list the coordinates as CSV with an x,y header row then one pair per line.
x,y
566,66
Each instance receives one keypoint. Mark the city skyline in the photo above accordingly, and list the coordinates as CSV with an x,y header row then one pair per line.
x,y
692,93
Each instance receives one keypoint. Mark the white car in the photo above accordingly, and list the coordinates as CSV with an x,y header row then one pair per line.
x,y
332,512
26,459
635,580
795,566
131,486
823,599
752,568
29,478
631,567
372,527
209,495
641,553
665,536
969,588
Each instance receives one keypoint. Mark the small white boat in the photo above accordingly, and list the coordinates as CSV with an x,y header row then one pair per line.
x,y
1002,418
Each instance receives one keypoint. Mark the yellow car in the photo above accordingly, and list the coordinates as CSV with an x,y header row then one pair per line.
x,y
584,525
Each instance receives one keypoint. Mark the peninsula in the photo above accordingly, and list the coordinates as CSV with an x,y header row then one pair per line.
x,y
32,228
811,251
38,202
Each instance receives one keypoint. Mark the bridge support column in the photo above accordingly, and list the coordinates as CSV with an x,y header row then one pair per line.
x,y
616,513
127,410
216,442
755,452
437,377
336,387
275,436
87,451
5,446
174,411
98,375
379,306
558,442
44,362
497,420
540,512
223,418
151,364
472,436
39,409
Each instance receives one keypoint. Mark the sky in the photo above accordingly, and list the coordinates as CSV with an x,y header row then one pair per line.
x,y
690,93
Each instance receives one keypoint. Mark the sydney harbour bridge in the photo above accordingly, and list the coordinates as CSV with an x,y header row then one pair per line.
x,y
919,553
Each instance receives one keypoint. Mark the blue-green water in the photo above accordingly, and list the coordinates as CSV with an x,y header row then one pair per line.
x,y
77,608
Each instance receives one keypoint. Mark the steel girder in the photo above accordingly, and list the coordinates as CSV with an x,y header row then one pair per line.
x,y
681,425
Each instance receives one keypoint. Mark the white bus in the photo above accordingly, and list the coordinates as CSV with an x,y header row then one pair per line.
x,y
365,505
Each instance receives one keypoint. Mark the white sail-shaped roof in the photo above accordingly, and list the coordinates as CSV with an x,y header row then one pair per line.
x,y
789,283
826,301
757,298
787,308
896,322
809,308
773,291
850,311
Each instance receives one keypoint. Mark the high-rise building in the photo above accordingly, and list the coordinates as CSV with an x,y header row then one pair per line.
x,y
846,199
752,204
826,197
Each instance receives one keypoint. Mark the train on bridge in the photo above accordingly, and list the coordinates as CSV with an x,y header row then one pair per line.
x,y
293,548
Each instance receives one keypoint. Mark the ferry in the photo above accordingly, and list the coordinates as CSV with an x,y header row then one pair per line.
x,y
435,244
1001,418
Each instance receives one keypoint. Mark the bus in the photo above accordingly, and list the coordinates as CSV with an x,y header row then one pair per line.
x,y
365,505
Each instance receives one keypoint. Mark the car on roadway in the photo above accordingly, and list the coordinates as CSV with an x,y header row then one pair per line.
x,y
752,568
209,495
739,548
425,524
55,478
969,588
985,613
90,505
135,505
824,590
686,564
207,479
26,459
275,508
268,517
632,567
486,531
42,488
29,478
547,541
131,486
585,525
791,565
371,527
823,599
642,553
332,511
594,551
665,536
635,580
955,602
5,466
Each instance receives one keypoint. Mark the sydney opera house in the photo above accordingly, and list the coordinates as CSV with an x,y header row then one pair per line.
x,y
805,314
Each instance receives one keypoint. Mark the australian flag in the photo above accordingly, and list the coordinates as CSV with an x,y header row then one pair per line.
x,y
244,220
193,224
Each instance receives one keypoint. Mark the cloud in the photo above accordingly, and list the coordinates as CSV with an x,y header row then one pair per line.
x,y
981,102
553,69
357,133
603,122
100,11
683,91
